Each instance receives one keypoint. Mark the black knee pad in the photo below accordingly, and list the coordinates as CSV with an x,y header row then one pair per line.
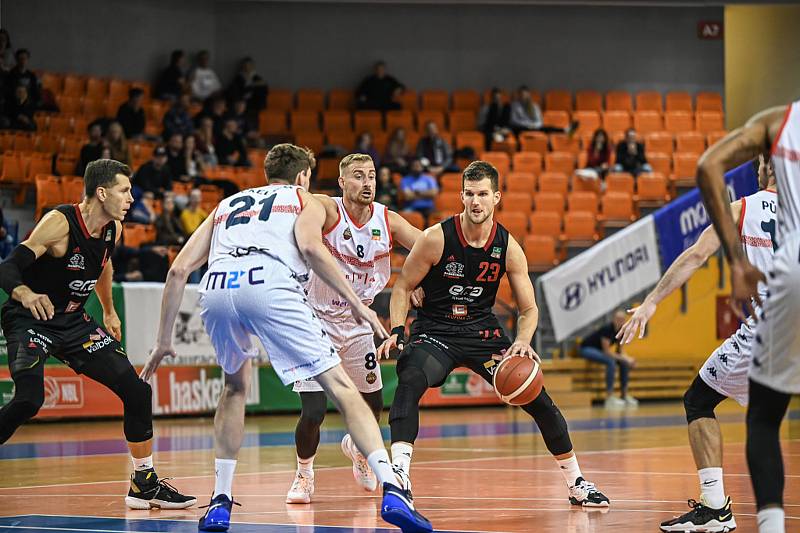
x,y
137,401
28,396
551,423
411,385
314,406
374,401
700,400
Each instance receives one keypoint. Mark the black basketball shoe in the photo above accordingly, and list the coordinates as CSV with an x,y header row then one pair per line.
x,y
703,518
149,492
586,494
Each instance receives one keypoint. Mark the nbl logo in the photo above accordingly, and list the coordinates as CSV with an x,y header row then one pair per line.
x,y
572,296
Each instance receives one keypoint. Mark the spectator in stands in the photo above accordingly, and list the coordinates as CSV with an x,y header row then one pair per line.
x,y
364,146
116,141
171,82
525,115
21,75
598,157
148,263
603,347
205,142
143,209
20,110
204,81
249,86
230,146
193,214
386,190
177,118
630,155
169,231
131,114
214,108
397,152
155,175
192,158
247,121
435,152
93,150
493,119
6,51
175,158
377,91
419,189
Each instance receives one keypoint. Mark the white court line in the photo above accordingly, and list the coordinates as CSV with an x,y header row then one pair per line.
x,y
613,472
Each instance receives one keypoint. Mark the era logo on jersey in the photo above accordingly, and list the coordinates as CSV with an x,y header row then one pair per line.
x,y
459,290
82,287
454,270
76,262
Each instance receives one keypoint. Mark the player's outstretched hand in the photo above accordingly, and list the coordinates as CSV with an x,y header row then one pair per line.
x,y
154,360
417,297
113,325
744,288
39,305
362,313
522,349
388,345
638,320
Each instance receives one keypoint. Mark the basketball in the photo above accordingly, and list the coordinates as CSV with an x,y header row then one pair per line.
x,y
518,380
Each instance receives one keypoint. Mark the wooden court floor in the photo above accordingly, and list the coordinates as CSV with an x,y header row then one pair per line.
x,y
473,470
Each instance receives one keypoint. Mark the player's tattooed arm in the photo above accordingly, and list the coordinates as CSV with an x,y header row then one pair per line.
x,y
525,297
676,275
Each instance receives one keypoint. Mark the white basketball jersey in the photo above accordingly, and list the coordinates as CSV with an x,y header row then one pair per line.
x,y
757,230
363,255
786,160
259,220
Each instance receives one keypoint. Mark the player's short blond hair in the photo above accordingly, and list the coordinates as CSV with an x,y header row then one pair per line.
x,y
352,159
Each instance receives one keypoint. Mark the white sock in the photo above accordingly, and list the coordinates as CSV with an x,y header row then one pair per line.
x,y
711,487
224,468
142,463
306,466
569,469
771,520
380,464
401,456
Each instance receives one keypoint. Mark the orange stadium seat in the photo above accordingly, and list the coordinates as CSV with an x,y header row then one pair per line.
x,y
545,223
679,101
540,252
74,85
435,100
48,193
659,142
649,101
561,142
311,99
661,163
429,115
341,99
370,121
588,121
414,218
554,182
53,82
310,139
647,122
96,88
280,99
619,101
580,228
304,120
715,136
118,89
409,100
500,160
527,162
516,201
582,201
516,222
69,105
707,101
652,189
617,208
72,189
558,100
549,201
49,143
94,108
15,167
336,120
620,182
38,164
135,235
24,142
449,203
685,166
466,100
343,139
399,119
588,101
616,121
678,121
65,164
559,162
462,120
327,169
556,118
708,121
690,141
450,181
520,182
272,122
533,141
471,139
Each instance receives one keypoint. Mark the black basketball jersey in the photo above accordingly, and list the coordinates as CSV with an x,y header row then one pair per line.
x,y
69,280
460,289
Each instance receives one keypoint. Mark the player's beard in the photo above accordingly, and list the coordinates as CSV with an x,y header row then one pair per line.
x,y
358,198
483,217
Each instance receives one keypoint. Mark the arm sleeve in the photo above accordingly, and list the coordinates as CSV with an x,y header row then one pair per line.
x,y
11,269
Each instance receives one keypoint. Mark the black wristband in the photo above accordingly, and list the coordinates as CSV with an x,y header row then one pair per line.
x,y
400,331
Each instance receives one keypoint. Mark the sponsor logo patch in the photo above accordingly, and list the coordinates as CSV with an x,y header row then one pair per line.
x,y
371,378
454,270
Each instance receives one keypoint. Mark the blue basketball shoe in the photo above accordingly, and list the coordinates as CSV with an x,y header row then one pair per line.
x,y
397,508
218,514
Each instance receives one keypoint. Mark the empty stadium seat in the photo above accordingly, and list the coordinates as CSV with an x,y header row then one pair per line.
x,y
679,101
341,99
661,163
304,120
554,182
516,222
135,235
558,100
409,100
520,182
370,121
708,121
96,88
620,182
559,162
588,121
580,228
48,193
617,208
527,162
685,166
499,160
399,119
540,252
549,201
647,122
715,136
545,223
516,201
427,115
652,189
649,101
462,120
336,120
74,85
310,139
414,218
471,139
555,118
708,101
280,100
619,101
616,121
588,101
449,203
678,121
450,181
533,141
310,99
466,100
561,142
435,100
662,142
582,201
72,189
272,122
690,141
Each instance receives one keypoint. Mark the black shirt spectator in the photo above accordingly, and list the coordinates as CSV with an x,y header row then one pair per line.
x,y
176,161
177,119
169,231
20,75
155,175
595,340
131,114
493,118
246,120
434,150
172,80
249,86
377,91
91,151
630,155
20,110
230,146
215,109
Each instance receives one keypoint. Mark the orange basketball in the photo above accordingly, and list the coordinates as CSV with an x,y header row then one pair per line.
x,y
518,380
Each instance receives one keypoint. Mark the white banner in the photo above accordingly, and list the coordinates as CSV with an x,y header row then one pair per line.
x,y
595,282
142,315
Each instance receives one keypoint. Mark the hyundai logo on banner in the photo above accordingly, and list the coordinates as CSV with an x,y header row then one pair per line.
x,y
572,296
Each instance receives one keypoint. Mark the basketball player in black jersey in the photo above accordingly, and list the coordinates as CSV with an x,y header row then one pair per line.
x,y
459,264
49,278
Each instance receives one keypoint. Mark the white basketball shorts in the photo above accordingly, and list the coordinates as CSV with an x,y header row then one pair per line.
x,y
727,367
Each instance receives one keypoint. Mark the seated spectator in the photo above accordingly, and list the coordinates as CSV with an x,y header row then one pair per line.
x,y
20,110
216,109
131,114
397,153
6,51
364,146
247,121
204,82
192,158
193,215
435,152
118,144
603,347
155,175
148,263
205,142
249,86
525,115
93,150
21,75
385,189
176,159
177,118
378,90
143,210
419,189
630,155
169,231
230,146
493,119
598,157
171,83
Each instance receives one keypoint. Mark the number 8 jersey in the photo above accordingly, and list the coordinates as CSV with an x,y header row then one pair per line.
x,y
259,220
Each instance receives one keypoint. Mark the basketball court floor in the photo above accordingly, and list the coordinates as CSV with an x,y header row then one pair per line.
x,y
480,470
